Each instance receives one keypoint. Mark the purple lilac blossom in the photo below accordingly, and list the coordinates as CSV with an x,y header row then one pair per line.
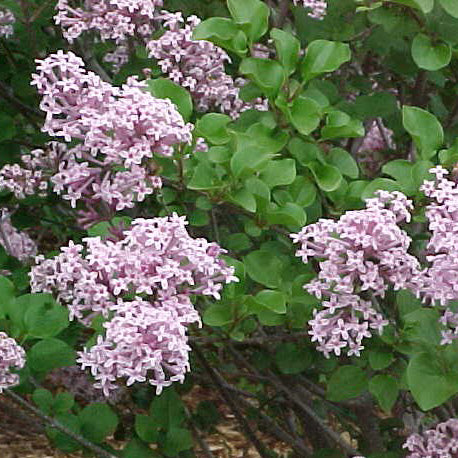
x,y
158,265
17,244
7,20
359,257
440,442
12,356
317,8
198,66
118,129
112,19
439,282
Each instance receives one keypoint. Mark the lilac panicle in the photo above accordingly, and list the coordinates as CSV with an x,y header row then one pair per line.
x,y
198,66
317,8
359,257
7,21
12,356
118,130
160,266
112,19
439,442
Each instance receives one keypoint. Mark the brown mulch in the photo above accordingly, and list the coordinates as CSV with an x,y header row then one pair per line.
x,y
22,436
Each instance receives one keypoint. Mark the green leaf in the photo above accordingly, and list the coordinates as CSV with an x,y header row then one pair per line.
x,y
98,421
247,161
61,440
278,173
245,199
303,191
273,300
7,127
291,358
425,6
43,399
268,74
385,389
407,302
219,154
213,127
222,32
63,402
343,161
430,56
346,382
341,125
45,317
380,104
218,314
50,354
429,384
251,15
177,440
379,183
145,428
401,171
264,267
327,177
204,178
6,296
424,128
288,48
138,449
324,56
167,410
451,6
305,114
380,359
288,214
163,88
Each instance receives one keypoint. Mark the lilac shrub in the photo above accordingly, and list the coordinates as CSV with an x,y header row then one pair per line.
x,y
141,284
7,21
16,243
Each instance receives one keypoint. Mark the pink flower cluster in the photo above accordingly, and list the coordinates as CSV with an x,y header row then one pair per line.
x,y
440,442
112,19
118,129
198,66
318,7
7,20
17,244
360,256
378,138
12,356
142,285
440,281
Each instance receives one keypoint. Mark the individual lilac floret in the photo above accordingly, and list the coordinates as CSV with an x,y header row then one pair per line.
x,y
317,8
12,356
111,19
439,283
118,130
17,244
440,442
158,264
359,257
7,21
198,66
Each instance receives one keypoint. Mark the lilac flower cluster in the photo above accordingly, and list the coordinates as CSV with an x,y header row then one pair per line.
x,y
12,356
360,256
7,20
142,285
377,138
440,281
112,19
440,442
318,7
118,129
17,244
198,66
